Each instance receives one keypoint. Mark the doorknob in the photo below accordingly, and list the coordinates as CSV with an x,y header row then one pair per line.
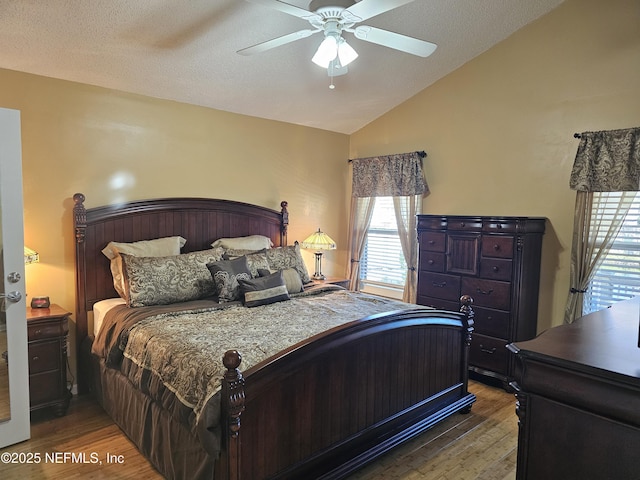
x,y
13,297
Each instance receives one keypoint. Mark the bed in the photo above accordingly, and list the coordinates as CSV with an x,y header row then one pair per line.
x,y
322,406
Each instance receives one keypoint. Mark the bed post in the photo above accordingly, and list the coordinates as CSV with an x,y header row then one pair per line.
x,y
466,309
232,408
285,223
80,226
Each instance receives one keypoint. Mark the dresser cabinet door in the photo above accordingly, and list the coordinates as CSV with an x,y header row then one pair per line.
x,y
462,253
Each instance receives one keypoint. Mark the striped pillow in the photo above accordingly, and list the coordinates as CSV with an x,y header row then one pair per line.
x,y
263,290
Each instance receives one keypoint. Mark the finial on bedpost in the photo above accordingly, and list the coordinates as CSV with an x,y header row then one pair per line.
x,y
232,407
285,221
233,389
79,216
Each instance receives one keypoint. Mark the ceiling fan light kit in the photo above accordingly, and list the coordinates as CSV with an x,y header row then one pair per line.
x,y
333,17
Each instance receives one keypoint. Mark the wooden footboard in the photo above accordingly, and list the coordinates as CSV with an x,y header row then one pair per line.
x,y
325,408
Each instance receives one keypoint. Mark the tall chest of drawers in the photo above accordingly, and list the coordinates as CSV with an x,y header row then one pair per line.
x,y
495,260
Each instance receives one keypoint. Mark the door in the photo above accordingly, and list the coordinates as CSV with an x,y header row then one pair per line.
x,y
14,369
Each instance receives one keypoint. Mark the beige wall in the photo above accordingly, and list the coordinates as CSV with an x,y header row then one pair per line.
x,y
114,146
499,130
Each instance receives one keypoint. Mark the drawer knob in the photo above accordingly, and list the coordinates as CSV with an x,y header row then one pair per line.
x,y
431,262
431,242
499,226
462,224
439,285
495,269
35,358
496,247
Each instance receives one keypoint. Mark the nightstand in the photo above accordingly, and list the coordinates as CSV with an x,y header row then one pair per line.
x,y
47,342
343,282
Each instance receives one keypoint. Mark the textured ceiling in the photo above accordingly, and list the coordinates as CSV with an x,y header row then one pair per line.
x,y
185,50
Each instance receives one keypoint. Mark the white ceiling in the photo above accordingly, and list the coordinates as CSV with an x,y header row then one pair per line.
x,y
185,50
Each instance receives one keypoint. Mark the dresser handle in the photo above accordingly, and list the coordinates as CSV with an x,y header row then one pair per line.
x,y
495,269
484,292
462,224
37,332
35,359
431,262
496,247
431,242
490,351
439,285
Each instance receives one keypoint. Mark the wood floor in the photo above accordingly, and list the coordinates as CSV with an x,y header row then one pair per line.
x,y
480,445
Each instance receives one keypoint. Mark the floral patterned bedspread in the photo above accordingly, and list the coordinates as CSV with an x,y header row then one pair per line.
x,y
181,351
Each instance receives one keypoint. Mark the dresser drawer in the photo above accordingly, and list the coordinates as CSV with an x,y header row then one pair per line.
x,y
491,322
497,246
489,353
439,303
432,241
487,293
446,287
465,224
495,269
44,356
45,330
432,261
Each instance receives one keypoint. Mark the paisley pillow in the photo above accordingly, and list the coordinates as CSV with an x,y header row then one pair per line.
x,y
173,279
225,274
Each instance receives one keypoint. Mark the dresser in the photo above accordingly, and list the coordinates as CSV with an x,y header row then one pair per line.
x,y
47,330
495,260
578,391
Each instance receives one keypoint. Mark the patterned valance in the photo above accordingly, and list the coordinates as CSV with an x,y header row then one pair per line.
x,y
389,176
607,161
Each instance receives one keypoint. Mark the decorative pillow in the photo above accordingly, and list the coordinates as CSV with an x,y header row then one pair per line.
x,y
288,257
291,277
225,274
264,290
159,247
255,262
164,280
231,253
251,242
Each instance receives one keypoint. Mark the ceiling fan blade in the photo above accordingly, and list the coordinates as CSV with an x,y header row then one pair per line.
x,y
276,42
370,8
286,8
394,40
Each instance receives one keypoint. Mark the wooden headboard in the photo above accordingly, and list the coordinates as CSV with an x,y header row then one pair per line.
x,y
199,220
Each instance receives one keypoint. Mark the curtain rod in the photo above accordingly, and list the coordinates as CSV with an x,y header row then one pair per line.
x,y
421,154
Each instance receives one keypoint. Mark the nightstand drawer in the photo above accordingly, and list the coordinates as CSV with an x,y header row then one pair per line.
x,y
45,387
40,331
44,356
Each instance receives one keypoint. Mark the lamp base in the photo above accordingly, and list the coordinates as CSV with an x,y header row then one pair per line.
x,y
318,275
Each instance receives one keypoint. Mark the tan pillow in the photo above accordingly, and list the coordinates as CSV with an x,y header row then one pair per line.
x,y
159,247
252,242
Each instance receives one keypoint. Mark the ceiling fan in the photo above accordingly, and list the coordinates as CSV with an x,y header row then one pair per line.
x,y
333,17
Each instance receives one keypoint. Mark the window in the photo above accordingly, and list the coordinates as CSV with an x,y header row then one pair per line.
x,y
618,277
382,264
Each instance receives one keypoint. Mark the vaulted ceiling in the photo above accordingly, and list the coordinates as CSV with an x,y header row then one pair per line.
x,y
185,50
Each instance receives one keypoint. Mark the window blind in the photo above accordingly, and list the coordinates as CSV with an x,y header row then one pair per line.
x,y
383,261
618,277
